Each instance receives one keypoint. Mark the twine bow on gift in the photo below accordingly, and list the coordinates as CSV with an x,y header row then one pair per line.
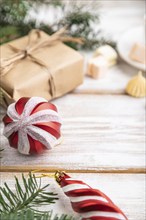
x,y
33,45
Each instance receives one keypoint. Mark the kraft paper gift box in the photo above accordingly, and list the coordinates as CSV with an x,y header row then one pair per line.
x,y
36,68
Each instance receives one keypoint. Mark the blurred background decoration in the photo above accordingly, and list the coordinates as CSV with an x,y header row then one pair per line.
x,y
18,17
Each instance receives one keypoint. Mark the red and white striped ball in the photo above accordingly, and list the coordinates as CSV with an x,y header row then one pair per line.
x,y
32,125
90,203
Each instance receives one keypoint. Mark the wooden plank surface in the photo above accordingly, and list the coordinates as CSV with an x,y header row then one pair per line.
x,y
127,191
100,133
103,129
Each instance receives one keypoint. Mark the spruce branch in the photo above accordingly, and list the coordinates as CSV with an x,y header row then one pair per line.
x,y
1,149
29,214
78,18
30,195
13,12
23,202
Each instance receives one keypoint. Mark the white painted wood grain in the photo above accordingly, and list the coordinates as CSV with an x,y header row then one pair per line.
x,y
127,191
99,132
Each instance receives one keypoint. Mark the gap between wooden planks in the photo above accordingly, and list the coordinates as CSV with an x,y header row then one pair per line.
x,y
53,169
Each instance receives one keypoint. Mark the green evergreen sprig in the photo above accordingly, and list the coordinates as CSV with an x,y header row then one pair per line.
x,y
25,201
1,150
29,214
30,195
78,19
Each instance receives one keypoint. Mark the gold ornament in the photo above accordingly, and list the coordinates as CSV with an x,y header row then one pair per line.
x,y
137,86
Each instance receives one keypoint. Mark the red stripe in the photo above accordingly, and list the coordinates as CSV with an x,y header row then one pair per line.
x,y
51,127
13,140
7,120
66,182
20,104
35,146
43,106
93,205
83,192
100,218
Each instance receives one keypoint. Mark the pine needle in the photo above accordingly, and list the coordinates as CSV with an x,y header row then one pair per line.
x,y
78,18
29,214
28,195
24,201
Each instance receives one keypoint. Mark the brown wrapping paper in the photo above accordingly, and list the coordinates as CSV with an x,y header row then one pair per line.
x,y
27,78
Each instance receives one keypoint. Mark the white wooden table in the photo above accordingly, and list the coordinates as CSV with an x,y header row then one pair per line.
x,y
104,134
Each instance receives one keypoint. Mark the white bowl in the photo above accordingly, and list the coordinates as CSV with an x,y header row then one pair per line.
x,y
125,43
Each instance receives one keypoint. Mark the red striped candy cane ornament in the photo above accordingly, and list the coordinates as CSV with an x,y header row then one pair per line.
x,y
90,203
32,125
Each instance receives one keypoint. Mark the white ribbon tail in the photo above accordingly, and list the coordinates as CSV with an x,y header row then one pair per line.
x,y
42,136
23,143
42,116
12,113
10,128
31,104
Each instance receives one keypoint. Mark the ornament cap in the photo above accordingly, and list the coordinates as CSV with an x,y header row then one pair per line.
x,y
59,175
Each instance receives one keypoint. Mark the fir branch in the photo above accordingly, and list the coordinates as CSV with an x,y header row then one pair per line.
x,y
22,204
13,12
29,214
28,196
1,150
78,19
